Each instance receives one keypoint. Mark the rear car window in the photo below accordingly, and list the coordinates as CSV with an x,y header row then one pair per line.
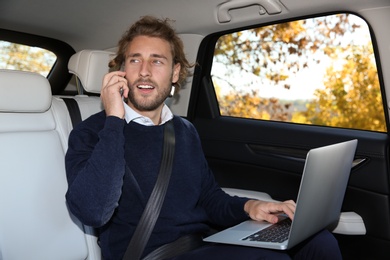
x,y
317,71
26,58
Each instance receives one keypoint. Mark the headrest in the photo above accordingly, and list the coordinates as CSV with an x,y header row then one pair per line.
x,y
90,66
22,91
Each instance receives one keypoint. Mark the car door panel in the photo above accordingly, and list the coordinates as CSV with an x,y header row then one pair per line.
x,y
269,157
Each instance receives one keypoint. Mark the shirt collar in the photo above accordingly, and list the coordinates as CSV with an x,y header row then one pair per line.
x,y
131,115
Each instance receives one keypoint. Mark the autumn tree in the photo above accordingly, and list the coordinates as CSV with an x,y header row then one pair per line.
x,y
250,105
351,97
267,51
274,52
26,58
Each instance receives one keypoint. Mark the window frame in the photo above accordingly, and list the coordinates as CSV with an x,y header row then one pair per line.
x,y
202,74
59,75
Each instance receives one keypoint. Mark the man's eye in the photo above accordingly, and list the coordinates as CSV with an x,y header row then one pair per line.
x,y
157,62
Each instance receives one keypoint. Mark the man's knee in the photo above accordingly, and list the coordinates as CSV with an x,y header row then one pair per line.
x,y
321,246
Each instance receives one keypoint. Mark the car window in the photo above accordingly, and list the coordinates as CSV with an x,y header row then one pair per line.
x,y
26,58
317,71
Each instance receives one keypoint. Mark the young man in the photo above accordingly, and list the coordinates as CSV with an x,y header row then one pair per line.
x,y
114,158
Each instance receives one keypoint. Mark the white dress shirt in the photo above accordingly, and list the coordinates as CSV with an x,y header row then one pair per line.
x,y
131,115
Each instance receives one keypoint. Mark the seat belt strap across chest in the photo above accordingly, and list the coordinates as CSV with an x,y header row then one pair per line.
x,y
152,210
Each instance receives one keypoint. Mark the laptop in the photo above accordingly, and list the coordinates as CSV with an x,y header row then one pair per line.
x,y
321,193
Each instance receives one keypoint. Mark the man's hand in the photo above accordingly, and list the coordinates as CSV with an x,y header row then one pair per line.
x,y
110,95
269,211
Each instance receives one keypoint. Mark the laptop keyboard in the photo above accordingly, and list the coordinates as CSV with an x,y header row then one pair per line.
x,y
275,233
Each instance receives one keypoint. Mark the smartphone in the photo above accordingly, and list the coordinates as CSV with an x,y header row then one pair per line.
x,y
122,68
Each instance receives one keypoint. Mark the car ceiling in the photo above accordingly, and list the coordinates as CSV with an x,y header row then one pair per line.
x,y
99,24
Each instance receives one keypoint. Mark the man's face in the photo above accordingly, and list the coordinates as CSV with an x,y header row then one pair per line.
x,y
150,72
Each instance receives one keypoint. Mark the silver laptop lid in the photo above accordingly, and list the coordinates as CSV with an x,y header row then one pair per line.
x,y
321,193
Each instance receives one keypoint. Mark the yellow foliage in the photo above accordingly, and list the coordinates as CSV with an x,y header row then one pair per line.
x,y
26,58
351,99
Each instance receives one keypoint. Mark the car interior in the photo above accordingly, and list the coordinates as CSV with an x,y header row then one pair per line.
x,y
253,157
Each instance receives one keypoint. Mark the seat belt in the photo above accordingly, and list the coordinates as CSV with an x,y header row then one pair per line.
x,y
74,110
152,210
182,245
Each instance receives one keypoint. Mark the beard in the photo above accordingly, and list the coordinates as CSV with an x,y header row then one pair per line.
x,y
148,103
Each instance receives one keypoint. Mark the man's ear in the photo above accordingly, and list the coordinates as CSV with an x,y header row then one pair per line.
x,y
176,72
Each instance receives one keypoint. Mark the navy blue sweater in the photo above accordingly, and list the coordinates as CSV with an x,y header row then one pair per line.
x,y
112,167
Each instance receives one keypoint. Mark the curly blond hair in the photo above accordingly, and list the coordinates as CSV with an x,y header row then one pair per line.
x,y
154,27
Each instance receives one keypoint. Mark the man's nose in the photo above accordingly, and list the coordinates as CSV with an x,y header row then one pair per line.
x,y
145,69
